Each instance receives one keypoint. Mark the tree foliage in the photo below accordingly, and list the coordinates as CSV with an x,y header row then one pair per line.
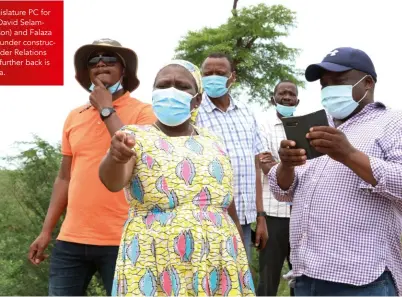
x,y
24,199
252,36
32,182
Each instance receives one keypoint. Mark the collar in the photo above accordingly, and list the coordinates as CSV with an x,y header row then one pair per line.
x,y
374,105
368,108
277,120
210,107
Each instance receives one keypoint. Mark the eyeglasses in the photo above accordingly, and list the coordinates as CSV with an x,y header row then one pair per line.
x,y
108,59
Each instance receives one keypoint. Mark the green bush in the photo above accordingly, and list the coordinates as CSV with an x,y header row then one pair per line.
x,y
24,199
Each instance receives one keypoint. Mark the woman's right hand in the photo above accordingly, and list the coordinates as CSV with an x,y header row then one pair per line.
x,y
121,147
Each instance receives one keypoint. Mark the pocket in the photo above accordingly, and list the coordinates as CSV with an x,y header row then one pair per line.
x,y
302,286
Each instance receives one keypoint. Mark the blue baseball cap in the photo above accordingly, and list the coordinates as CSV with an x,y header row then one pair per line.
x,y
342,59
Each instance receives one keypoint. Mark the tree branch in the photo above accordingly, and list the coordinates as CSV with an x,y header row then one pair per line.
x,y
239,41
250,43
235,63
234,8
235,4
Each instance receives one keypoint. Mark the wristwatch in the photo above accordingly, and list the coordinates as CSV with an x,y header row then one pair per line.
x,y
261,214
106,112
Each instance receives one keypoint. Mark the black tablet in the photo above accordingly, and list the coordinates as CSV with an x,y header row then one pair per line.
x,y
297,127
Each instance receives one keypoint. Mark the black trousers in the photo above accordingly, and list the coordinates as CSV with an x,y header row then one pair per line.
x,y
273,256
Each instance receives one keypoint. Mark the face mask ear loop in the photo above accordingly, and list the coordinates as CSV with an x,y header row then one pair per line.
x,y
192,99
365,94
118,86
360,80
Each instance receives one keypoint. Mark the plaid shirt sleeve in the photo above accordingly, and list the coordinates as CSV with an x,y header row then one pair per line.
x,y
279,194
260,138
387,172
270,146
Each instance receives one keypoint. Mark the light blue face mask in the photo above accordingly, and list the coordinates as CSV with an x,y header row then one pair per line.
x,y
215,85
171,106
112,89
338,100
284,110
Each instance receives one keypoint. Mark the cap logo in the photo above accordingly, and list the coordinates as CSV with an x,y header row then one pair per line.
x,y
333,53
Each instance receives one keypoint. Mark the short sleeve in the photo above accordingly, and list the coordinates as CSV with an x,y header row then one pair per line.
x,y
267,128
260,143
146,116
65,142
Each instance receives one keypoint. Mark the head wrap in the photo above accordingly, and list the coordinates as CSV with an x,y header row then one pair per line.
x,y
196,73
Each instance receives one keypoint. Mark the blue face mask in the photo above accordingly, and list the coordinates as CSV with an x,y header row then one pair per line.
x,y
112,89
284,110
215,85
338,100
171,106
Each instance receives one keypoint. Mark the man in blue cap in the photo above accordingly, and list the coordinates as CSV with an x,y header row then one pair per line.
x,y
345,227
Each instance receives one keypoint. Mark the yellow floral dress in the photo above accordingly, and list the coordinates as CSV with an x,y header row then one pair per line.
x,y
179,239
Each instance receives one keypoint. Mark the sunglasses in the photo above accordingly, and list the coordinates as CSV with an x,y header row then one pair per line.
x,y
108,59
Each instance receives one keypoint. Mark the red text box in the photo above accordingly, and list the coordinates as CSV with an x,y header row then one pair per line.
x,y
31,43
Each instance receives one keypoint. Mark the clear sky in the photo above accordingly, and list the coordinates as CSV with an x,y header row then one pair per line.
x,y
153,27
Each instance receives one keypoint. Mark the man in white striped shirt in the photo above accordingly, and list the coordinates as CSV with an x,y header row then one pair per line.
x,y
276,250
236,124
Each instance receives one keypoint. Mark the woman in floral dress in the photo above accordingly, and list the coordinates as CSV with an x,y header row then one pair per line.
x,y
182,233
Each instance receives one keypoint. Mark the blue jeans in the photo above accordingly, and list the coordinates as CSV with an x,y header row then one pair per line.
x,y
383,286
73,265
247,240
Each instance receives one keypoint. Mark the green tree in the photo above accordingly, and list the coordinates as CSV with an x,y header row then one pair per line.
x,y
26,196
32,182
253,37
25,193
